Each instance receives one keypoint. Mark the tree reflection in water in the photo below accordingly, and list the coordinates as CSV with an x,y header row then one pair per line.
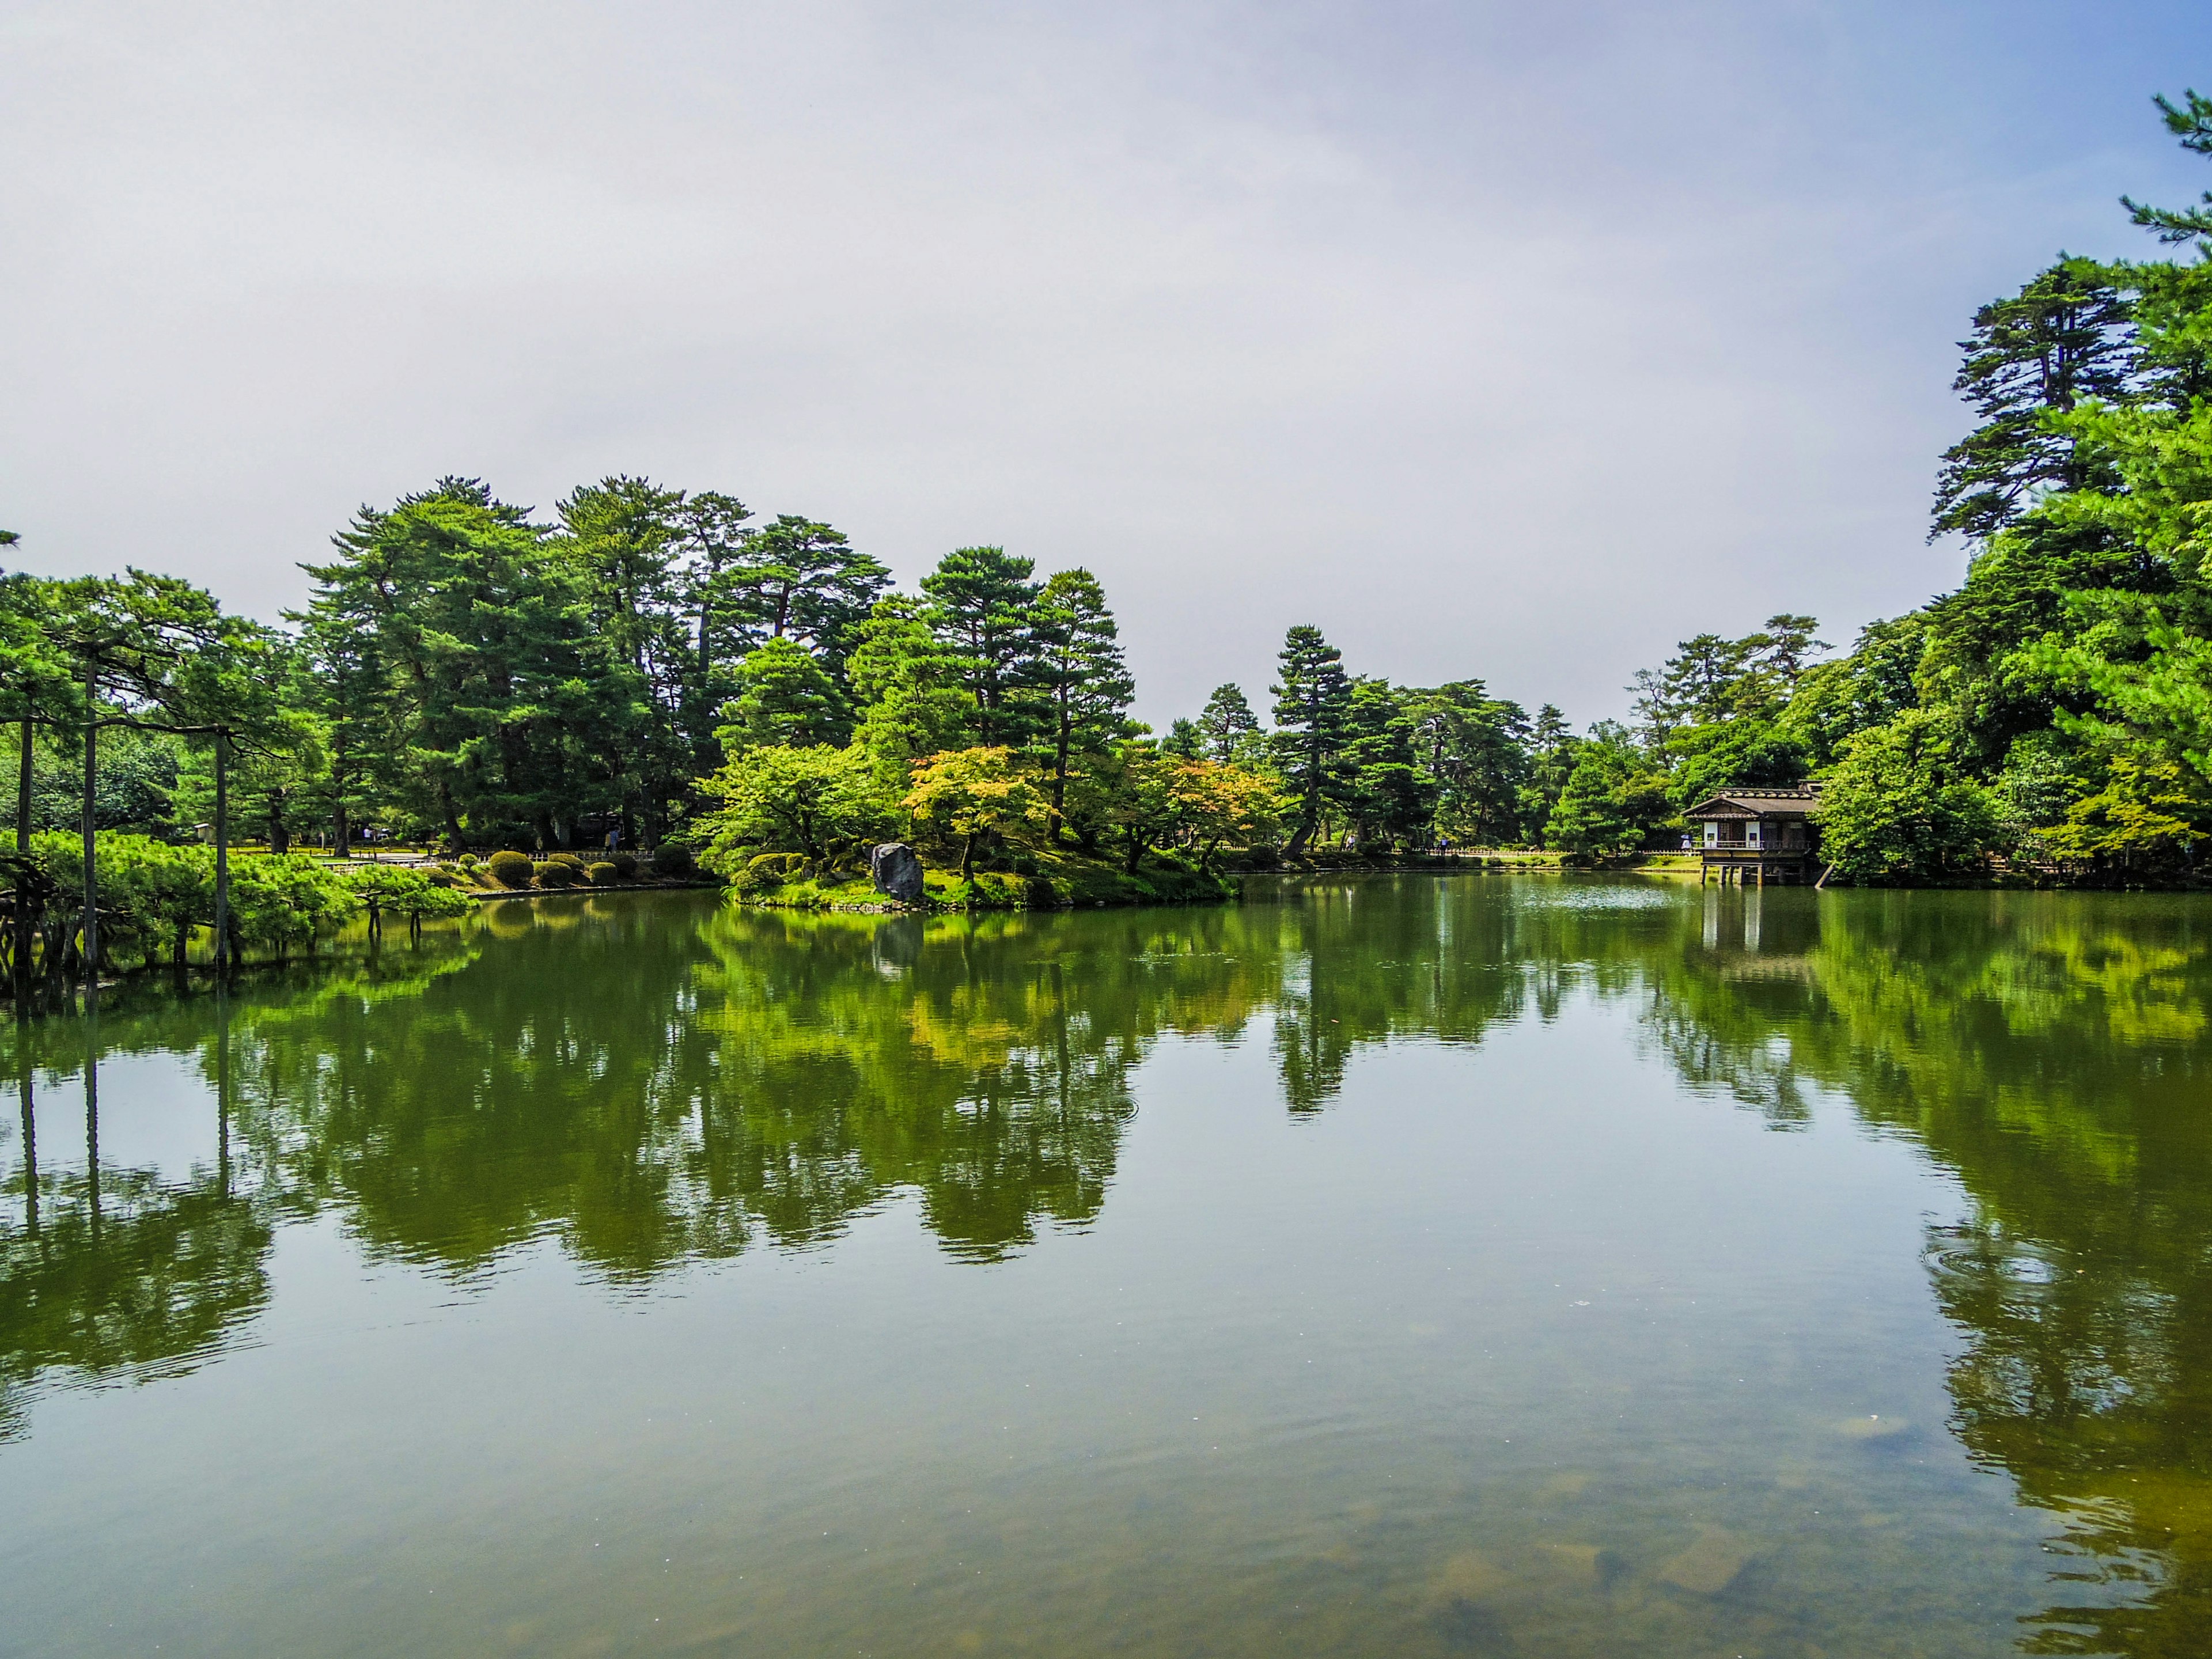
x,y
2050,1051
650,1083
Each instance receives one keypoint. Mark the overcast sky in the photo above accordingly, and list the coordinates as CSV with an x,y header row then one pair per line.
x,y
1508,340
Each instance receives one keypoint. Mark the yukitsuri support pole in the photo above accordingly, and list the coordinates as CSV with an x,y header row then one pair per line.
x,y
221,853
91,873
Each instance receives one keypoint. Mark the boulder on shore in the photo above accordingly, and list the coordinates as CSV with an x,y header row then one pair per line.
x,y
897,871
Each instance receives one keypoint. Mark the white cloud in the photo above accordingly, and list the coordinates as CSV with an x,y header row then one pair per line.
x,y
1495,347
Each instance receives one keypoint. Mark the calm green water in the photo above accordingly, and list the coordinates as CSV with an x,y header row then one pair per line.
x,y
1425,1266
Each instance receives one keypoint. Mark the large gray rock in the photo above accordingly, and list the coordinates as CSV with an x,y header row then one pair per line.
x,y
897,871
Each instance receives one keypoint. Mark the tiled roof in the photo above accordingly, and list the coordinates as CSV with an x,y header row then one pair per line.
x,y
1756,801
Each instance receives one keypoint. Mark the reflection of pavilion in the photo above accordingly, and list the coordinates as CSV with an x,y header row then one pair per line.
x,y
1757,835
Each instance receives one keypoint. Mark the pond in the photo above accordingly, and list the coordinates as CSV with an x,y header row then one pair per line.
x,y
1392,1265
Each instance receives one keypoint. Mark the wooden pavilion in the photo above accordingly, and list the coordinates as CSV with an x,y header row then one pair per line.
x,y
1757,835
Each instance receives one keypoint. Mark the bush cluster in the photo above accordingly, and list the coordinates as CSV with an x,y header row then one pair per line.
x,y
673,860
510,869
603,875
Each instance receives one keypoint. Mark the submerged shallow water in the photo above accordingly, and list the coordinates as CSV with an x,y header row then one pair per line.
x,y
1386,1266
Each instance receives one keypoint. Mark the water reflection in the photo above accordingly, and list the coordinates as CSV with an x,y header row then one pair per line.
x,y
2048,1050
651,1082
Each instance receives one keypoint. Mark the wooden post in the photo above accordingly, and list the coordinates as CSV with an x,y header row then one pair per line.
x,y
91,873
222,853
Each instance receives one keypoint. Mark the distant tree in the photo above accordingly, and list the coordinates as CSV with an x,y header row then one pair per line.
x,y
2067,336
1476,748
800,580
1080,677
776,797
784,697
1386,792
911,688
1613,801
1553,747
1228,725
981,603
1216,803
1898,806
1185,740
1313,708
982,795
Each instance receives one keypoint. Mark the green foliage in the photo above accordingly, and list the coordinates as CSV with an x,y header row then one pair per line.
x,y
603,875
780,798
2062,338
558,874
511,869
1612,802
784,696
983,794
1313,717
624,864
981,605
1899,807
407,891
672,860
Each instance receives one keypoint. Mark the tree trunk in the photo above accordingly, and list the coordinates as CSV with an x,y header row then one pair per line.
x,y
1060,780
222,853
341,829
968,859
453,817
23,793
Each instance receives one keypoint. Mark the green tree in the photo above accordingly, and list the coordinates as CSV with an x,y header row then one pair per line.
x,y
981,603
817,800
911,688
1386,792
1897,805
1079,675
1612,802
1313,710
2068,335
1476,748
803,581
1553,747
785,697
985,794
1230,729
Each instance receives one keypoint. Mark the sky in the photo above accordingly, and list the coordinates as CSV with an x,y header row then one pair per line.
x,y
1500,340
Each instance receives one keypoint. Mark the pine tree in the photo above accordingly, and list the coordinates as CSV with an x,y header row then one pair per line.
x,y
1079,675
1313,703
2068,335
1228,724
981,602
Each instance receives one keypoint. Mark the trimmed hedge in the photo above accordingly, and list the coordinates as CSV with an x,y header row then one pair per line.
x,y
603,875
510,869
672,858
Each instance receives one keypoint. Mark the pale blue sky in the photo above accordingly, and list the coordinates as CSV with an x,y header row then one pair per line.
x,y
1505,340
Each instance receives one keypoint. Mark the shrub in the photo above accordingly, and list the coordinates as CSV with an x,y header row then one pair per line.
x,y
511,869
467,860
559,872
625,865
603,875
568,859
673,860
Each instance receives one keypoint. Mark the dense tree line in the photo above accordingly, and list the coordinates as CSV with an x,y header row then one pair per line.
x,y
660,664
